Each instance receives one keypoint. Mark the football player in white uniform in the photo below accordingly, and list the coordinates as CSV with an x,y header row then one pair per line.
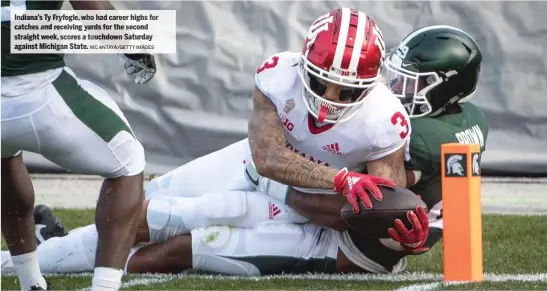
x,y
320,118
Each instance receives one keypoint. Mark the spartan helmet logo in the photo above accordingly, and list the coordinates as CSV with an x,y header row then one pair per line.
x,y
454,166
476,164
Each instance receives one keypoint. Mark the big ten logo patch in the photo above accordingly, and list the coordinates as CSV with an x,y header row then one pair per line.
x,y
289,105
456,165
286,122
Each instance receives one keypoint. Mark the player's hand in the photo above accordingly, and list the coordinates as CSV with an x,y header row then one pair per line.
x,y
143,66
412,240
355,185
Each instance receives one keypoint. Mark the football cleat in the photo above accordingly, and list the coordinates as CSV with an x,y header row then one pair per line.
x,y
47,225
40,288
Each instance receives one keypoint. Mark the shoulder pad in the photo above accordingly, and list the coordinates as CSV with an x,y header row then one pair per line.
x,y
390,120
277,73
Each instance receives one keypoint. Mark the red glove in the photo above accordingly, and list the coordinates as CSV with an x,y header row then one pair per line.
x,y
412,240
353,185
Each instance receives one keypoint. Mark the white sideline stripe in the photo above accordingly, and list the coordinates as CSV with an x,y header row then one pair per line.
x,y
146,281
420,287
494,278
406,277
140,281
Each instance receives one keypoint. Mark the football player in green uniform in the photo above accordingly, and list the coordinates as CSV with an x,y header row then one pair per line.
x,y
48,110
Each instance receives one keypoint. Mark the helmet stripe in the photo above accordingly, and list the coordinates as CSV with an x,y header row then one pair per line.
x,y
342,38
358,44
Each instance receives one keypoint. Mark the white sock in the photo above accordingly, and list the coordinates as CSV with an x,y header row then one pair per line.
x,y
27,269
106,279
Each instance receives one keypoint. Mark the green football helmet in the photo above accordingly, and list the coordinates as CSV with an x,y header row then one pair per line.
x,y
433,67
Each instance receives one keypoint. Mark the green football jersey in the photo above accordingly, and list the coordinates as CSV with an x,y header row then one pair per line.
x,y
428,134
20,64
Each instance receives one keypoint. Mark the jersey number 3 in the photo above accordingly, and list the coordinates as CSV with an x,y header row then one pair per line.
x,y
270,63
399,118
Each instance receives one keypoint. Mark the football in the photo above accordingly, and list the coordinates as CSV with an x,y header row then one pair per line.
x,y
376,221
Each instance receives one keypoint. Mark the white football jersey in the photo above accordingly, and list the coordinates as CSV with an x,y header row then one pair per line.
x,y
380,127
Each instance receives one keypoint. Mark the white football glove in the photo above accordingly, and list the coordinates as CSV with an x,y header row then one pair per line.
x,y
143,66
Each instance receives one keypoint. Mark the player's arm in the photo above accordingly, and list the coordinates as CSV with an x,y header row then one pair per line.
x,y
270,156
320,209
425,231
391,167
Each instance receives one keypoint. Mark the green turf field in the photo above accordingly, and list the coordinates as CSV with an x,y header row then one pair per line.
x,y
515,258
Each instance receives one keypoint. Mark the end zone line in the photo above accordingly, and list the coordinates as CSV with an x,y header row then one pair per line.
x,y
404,277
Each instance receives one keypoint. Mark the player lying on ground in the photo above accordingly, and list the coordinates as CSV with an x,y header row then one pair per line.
x,y
458,122
46,109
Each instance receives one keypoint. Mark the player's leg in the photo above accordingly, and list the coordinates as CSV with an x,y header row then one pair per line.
x,y
21,96
269,248
169,257
210,173
166,217
72,253
18,221
83,130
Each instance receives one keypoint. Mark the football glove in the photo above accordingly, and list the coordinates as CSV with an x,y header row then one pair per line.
x,y
143,66
412,240
355,185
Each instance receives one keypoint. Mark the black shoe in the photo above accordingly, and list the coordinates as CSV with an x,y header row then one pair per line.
x,y
40,288
47,224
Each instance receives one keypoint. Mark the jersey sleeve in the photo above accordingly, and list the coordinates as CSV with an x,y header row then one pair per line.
x,y
420,156
277,73
393,129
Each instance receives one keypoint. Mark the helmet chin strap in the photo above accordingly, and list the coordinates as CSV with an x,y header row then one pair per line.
x,y
455,99
443,108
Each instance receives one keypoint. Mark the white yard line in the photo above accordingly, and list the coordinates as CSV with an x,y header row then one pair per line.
x,y
487,278
137,281
404,277
419,287
145,281
435,279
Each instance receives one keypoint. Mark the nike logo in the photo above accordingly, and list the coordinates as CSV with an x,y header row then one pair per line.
x,y
38,234
255,182
406,65
320,234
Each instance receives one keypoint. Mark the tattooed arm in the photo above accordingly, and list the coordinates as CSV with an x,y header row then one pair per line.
x,y
324,210
270,156
390,167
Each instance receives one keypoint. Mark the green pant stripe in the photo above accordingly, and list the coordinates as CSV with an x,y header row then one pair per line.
x,y
94,114
271,265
